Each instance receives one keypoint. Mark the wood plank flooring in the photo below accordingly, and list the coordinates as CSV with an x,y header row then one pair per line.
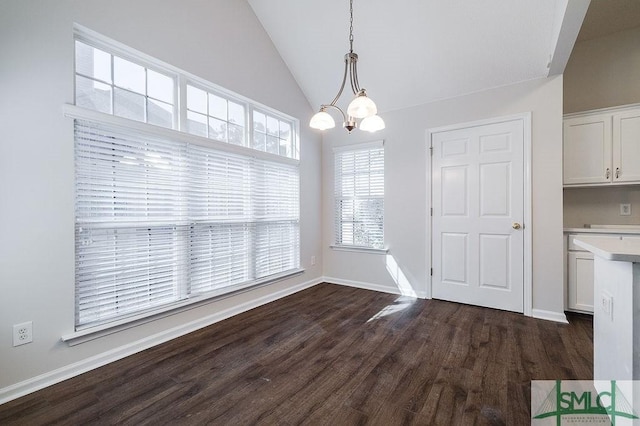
x,y
329,355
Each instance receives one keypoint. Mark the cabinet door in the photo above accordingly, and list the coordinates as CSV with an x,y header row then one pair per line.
x,y
587,150
626,146
580,281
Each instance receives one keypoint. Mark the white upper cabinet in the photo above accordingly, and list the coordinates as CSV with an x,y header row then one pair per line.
x,y
602,147
587,149
626,146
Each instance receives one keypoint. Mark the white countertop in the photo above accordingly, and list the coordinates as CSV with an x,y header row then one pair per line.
x,y
610,229
623,249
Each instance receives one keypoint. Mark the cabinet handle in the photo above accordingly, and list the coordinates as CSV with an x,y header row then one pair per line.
x,y
617,172
607,174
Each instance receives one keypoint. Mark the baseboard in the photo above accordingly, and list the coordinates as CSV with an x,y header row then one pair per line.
x,y
370,286
56,376
549,315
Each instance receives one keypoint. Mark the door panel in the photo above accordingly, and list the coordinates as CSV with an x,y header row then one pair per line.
x,y
494,189
495,260
477,196
454,191
454,258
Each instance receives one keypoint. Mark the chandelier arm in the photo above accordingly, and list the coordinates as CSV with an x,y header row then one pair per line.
x,y
344,116
354,75
344,80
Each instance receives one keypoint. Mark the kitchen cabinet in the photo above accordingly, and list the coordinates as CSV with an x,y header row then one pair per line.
x,y
580,281
602,147
626,146
579,266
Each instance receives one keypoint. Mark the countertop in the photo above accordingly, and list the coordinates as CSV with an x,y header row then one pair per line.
x,y
606,229
623,249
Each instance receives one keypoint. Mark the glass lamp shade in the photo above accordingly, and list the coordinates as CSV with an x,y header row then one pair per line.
x,y
372,124
362,107
321,121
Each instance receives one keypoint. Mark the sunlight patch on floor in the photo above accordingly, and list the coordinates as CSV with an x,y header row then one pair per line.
x,y
399,278
408,294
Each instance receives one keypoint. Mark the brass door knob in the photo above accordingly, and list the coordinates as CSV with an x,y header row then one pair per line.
x,y
516,225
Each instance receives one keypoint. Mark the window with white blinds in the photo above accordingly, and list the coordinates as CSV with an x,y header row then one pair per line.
x,y
359,196
161,221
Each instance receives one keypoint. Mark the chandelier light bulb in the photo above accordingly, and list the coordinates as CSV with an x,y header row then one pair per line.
x,y
322,120
372,124
362,106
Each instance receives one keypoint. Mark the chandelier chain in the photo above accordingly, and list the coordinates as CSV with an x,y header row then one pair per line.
x,y
351,26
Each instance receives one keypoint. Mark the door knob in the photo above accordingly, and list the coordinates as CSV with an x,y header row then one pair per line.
x,y
516,225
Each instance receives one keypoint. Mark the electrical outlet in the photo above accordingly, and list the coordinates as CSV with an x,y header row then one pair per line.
x,y
22,333
625,209
606,301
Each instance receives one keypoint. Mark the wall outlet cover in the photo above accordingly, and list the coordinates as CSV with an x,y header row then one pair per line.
x,y
625,209
22,333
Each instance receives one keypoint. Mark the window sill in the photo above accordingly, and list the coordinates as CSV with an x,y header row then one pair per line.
x,y
88,334
359,249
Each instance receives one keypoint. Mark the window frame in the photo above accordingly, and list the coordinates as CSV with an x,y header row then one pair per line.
x,y
179,132
338,243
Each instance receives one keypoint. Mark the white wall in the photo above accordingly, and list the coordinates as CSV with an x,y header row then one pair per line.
x,y
219,40
601,206
601,73
406,206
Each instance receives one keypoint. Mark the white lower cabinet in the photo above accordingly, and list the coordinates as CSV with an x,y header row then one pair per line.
x,y
580,281
579,269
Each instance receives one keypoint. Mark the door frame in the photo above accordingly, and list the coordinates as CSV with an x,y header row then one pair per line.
x,y
527,225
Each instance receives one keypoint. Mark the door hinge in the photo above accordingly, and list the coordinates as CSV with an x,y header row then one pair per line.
x,y
431,272
431,211
431,150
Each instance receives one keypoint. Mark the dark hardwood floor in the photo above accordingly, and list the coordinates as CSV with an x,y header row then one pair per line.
x,y
329,355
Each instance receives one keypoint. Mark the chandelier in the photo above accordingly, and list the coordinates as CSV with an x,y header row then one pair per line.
x,y
361,107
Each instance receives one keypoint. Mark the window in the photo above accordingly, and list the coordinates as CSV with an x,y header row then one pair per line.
x,y
215,117
116,80
272,135
114,85
160,221
359,196
165,218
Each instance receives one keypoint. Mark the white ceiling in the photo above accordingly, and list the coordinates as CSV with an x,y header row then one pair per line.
x,y
413,52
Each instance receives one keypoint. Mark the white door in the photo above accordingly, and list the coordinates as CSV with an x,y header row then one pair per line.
x,y
478,210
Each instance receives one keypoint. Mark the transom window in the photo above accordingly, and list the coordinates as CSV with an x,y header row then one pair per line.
x,y
272,135
215,117
115,79
114,85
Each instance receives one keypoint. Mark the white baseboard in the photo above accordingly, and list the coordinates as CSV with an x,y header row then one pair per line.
x,y
56,376
370,286
549,315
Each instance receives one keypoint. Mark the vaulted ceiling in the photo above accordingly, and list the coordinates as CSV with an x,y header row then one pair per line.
x,y
413,52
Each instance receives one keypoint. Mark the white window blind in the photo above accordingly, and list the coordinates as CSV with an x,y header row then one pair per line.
x,y
359,196
161,221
